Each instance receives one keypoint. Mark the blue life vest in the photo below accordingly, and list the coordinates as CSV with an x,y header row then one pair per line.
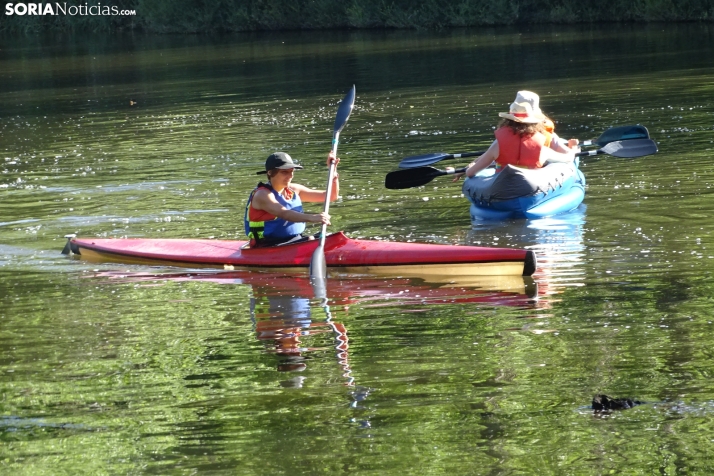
x,y
276,228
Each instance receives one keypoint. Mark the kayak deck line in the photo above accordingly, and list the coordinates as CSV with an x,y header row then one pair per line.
x,y
449,267
341,253
512,268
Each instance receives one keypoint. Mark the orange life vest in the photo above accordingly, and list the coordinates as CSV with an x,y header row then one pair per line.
x,y
549,126
520,151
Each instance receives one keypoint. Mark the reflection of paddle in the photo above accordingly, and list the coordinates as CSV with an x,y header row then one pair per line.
x,y
416,177
611,135
318,267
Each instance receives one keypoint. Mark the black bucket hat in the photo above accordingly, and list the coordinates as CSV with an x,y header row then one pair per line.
x,y
280,161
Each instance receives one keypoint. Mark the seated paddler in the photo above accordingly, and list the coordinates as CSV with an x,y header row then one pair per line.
x,y
274,213
525,138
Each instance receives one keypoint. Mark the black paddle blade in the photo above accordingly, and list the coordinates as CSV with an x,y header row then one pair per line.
x,y
408,178
622,133
628,149
345,109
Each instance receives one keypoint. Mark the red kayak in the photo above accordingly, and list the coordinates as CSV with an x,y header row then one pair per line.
x,y
341,254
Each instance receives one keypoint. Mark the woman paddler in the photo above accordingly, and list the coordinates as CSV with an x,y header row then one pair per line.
x,y
274,213
524,138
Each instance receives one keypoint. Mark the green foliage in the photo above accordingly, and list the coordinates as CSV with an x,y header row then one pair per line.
x,y
203,16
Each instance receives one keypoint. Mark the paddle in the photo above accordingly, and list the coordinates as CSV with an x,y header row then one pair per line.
x,y
627,149
416,177
428,159
318,267
611,135
619,133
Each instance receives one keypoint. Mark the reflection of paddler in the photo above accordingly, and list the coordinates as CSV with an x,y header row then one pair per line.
x,y
285,321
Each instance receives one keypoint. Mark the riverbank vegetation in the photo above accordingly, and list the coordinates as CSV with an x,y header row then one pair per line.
x,y
212,16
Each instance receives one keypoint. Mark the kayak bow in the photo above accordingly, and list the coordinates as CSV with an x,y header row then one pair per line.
x,y
341,254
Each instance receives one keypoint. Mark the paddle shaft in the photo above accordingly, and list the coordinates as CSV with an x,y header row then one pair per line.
x,y
428,159
318,266
466,154
613,134
418,176
456,171
328,189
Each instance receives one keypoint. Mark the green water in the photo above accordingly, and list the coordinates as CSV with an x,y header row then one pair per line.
x,y
115,369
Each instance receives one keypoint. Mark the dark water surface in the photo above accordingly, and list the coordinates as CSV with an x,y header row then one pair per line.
x,y
114,369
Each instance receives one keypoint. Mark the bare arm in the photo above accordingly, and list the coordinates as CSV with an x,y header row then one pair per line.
x,y
265,201
484,160
563,154
559,145
481,163
312,195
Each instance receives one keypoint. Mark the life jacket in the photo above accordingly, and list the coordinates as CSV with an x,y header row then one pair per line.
x,y
520,151
260,224
549,126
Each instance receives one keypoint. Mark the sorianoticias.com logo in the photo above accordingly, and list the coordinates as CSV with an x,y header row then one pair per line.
x,y
58,8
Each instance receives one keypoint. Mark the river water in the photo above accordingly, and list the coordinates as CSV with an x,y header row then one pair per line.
x,y
116,369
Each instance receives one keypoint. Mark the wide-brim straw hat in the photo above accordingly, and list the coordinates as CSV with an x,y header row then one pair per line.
x,y
524,109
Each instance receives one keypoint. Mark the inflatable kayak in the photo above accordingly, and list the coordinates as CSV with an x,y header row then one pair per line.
x,y
341,253
531,193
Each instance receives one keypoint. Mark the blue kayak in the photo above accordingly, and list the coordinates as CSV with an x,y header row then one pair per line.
x,y
531,193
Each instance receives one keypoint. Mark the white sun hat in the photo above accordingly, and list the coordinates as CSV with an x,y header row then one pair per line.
x,y
524,109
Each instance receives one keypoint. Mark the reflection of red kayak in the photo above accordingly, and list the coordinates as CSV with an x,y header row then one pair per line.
x,y
366,291
341,253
